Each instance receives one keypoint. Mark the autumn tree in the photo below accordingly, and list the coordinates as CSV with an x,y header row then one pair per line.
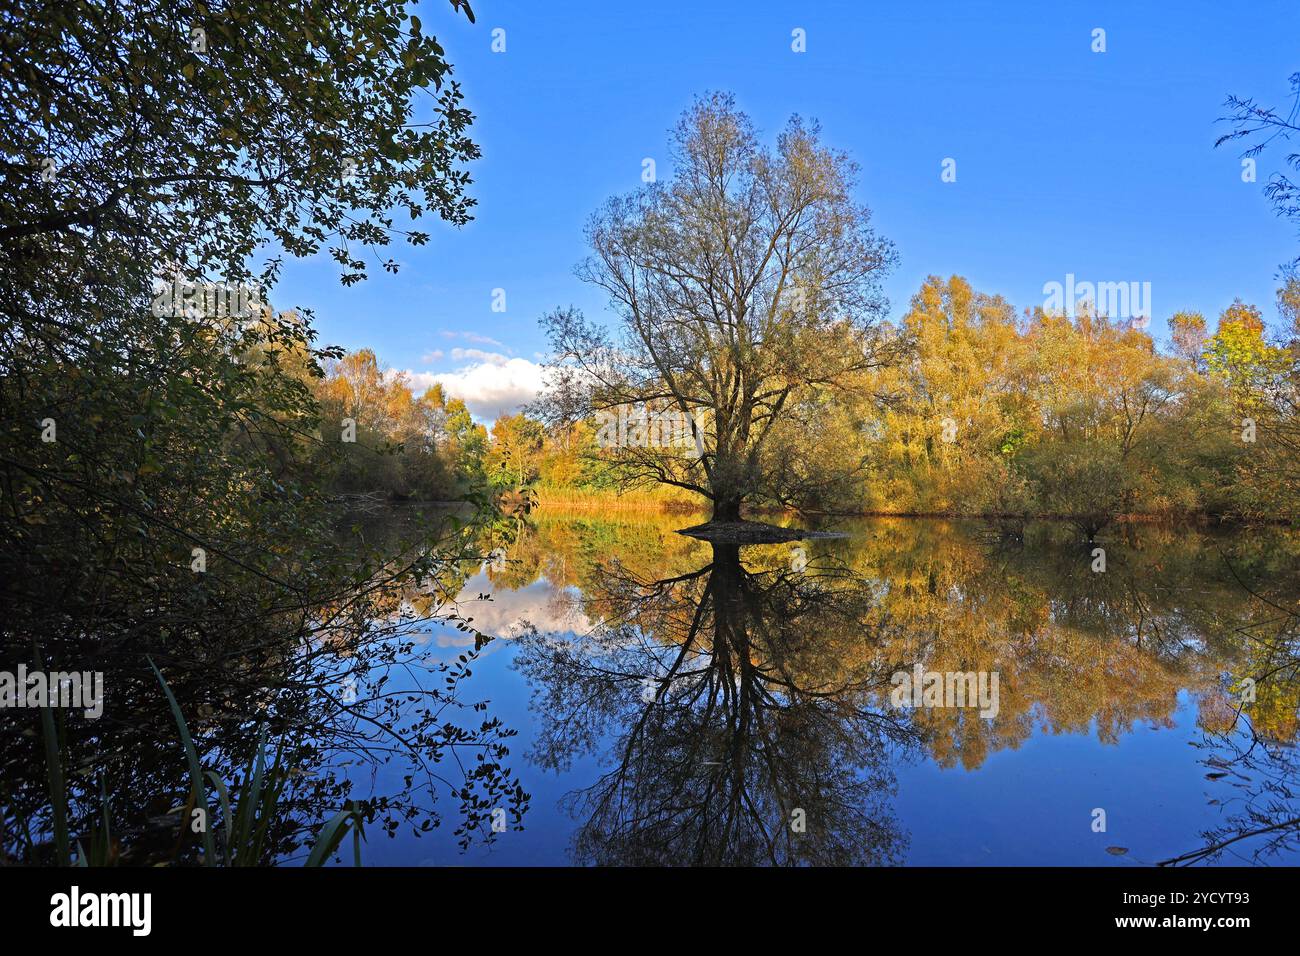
x,y
1240,355
952,404
1288,305
515,453
1262,381
1187,331
745,286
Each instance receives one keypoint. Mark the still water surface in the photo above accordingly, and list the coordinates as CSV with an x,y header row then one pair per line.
x,y
678,702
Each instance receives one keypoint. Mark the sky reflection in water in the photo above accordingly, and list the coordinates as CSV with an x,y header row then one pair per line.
x,y
1115,689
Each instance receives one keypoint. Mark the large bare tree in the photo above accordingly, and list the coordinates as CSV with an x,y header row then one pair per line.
x,y
746,290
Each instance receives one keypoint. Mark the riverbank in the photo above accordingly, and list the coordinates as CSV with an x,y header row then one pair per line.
x,y
582,501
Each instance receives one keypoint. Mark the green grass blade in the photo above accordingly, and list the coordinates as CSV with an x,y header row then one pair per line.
x,y
331,835
58,794
249,800
102,843
276,778
196,772
224,796
54,773
358,835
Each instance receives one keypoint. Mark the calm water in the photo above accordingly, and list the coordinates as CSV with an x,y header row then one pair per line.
x,y
607,691
677,702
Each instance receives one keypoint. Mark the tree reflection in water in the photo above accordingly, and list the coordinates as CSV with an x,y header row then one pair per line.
x,y
722,688
770,686
744,733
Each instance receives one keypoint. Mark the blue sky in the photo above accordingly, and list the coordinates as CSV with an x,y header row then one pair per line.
x,y
1068,161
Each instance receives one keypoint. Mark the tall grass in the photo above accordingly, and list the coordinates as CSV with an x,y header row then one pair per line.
x,y
198,793
247,826
656,501
54,774
247,820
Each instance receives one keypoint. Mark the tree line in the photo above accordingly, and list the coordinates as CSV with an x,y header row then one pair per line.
x,y
983,412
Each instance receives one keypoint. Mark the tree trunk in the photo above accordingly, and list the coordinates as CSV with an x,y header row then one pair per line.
x,y
726,508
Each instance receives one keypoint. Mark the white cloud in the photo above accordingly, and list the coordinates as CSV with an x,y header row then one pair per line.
x,y
490,386
478,355
472,337
434,356
549,608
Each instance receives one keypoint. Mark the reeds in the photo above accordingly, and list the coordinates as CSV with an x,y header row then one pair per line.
x,y
247,826
667,501
247,822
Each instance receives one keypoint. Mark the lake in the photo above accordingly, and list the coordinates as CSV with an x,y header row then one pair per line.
x,y
581,688
677,702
